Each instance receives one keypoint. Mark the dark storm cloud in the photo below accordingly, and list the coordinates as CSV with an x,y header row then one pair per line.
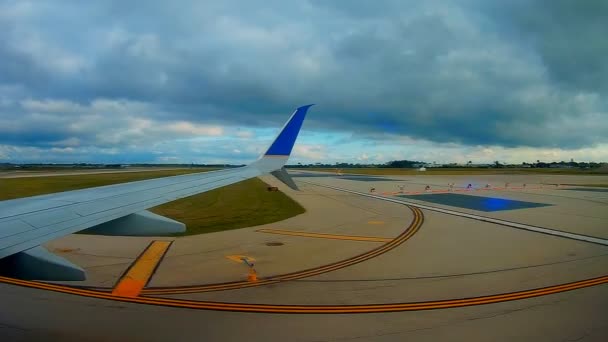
x,y
526,73
569,36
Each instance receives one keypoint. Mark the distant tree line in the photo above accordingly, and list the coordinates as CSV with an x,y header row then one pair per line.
x,y
415,164
390,164
573,164
401,164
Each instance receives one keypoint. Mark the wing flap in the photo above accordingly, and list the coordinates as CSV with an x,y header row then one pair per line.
x,y
93,213
13,227
48,217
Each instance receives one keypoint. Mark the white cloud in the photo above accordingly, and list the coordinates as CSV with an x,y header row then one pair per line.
x,y
69,142
245,134
476,77
62,150
310,152
189,128
52,106
51,57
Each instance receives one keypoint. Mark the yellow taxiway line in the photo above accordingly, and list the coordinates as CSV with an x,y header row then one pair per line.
x,y
140,272
375,222
310,309
404,236
318,309
325,236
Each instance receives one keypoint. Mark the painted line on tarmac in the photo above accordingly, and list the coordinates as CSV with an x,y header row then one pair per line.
x,y
140,272
375,222
412,229
317,309
549,231
414,226
446,191
451,275
325,236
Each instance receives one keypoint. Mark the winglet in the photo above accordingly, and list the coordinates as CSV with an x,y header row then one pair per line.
x,y
283,144
278,153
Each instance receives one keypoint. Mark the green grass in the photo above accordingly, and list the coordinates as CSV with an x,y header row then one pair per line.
x,y
239,205
459,171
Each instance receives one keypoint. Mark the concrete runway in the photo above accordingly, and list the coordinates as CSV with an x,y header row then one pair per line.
x,y
352,267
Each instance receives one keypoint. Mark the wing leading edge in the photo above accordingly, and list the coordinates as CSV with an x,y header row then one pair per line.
x,y
26,223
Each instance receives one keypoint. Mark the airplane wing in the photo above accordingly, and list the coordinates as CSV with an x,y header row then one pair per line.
x,y
119,209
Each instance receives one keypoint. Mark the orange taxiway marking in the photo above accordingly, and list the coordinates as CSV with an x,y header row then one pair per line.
x,y
401,238
318,309
375,222
138,275
325,236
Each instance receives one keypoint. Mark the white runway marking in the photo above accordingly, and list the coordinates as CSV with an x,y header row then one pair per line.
x,y
523,226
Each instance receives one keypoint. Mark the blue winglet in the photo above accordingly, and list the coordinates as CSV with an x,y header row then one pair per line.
x,y
284,142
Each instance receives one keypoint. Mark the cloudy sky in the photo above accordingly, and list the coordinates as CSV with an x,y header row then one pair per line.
x,y
212,81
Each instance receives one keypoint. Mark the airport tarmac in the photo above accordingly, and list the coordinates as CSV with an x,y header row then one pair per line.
x,y
359,265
